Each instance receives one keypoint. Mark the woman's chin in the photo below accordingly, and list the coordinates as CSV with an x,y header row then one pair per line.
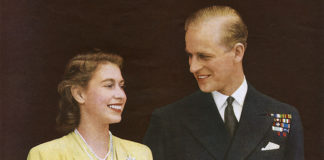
x,y
114,120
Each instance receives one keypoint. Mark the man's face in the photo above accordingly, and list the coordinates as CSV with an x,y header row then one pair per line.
x,y
211,63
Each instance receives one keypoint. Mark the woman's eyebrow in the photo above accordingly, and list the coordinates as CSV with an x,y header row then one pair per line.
x,y
122,81
108,80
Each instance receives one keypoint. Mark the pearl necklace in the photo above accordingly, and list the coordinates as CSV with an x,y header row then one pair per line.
x,y
110,147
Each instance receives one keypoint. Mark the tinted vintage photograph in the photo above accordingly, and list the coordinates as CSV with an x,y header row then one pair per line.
x,y
162,80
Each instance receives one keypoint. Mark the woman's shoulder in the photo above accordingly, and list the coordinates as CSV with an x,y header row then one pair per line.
x,y
130,144
51,148
132,148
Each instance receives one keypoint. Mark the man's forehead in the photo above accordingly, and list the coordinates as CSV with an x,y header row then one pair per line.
x,y
211,30
211,26
215,23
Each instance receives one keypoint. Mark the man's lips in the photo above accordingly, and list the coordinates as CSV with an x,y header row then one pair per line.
x,y
202,77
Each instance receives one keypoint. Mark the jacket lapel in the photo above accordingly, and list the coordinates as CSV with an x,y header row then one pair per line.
x,y
206,125
253,125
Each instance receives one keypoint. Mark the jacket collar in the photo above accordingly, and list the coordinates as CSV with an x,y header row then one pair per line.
x,y
205,123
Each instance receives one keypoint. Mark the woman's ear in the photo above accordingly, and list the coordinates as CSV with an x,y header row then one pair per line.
x,y
239,50
77,94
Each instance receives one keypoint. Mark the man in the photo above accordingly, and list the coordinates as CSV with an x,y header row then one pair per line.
x,y
228,118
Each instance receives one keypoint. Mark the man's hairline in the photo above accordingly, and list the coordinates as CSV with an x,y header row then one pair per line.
x,y
225,20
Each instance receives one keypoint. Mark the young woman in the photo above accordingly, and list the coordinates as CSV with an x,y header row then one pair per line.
x,y
91,98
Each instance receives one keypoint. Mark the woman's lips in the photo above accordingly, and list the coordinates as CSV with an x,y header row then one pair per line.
x,y
116,107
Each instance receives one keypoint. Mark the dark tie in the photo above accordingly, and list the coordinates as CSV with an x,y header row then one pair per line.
x,y
230,119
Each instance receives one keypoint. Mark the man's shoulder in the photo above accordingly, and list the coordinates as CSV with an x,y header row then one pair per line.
x,y
183,103
269,102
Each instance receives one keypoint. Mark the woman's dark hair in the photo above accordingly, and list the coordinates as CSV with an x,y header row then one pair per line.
x,y
79,71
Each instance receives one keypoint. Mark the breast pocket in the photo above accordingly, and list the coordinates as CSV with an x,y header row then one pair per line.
x,y
271,147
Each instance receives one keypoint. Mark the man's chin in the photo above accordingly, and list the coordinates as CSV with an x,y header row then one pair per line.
x,y
205,89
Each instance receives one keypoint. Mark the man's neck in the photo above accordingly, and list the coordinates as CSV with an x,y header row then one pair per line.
x,y
236,83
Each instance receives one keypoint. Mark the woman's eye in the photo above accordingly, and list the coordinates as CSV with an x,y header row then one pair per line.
x,y
123,86
109,85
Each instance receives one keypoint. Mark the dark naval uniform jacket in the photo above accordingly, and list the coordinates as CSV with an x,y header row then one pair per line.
x,y
192,129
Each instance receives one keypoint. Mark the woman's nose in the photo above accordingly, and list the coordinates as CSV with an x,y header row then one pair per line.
x,y
120,93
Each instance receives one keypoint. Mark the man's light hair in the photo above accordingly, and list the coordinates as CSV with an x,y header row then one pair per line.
x,y
235,30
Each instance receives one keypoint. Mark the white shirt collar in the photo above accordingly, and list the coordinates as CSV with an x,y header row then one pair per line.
x,y
219,99
238,95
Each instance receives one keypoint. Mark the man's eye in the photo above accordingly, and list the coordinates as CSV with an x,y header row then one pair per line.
x,y
204,57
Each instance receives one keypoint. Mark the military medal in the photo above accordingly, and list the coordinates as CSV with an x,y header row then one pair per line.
x,y
281,123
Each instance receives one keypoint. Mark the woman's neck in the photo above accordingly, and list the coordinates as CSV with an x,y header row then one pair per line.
x,y
96,136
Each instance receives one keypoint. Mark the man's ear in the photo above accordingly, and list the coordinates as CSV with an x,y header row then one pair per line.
x,y
78,94
239,50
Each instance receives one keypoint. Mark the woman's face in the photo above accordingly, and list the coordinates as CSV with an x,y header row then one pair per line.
x,y
104,97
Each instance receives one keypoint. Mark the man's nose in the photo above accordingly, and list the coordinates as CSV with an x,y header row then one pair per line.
x,y
195,65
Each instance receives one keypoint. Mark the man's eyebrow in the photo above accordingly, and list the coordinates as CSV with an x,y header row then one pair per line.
x,y
204,53
187,51
198,53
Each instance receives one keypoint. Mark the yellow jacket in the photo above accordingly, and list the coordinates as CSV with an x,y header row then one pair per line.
x,y
71,147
